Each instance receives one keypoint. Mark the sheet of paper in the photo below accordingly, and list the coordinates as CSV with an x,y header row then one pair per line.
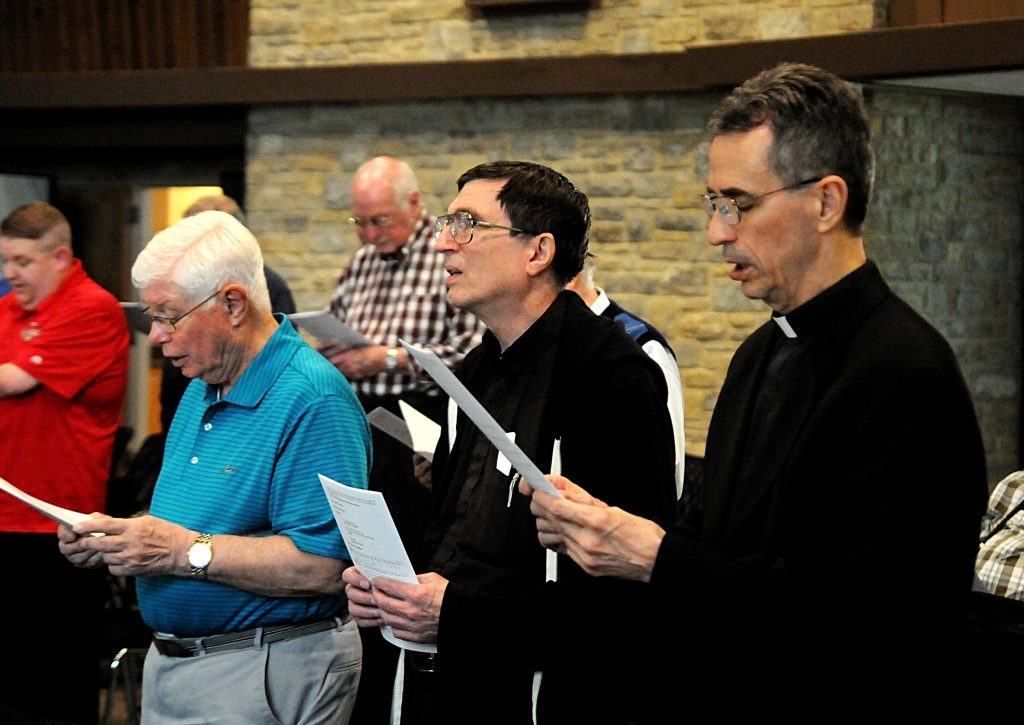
x,y
481,418
425,432
372,540
384,420
61,515
326,326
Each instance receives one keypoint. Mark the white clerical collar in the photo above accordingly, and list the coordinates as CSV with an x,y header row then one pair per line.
x,y
601,303
787,329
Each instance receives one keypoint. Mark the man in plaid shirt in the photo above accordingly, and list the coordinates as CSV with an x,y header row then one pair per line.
x,y
394,290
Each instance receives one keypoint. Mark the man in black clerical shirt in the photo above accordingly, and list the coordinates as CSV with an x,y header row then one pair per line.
x,y
824,575
579,396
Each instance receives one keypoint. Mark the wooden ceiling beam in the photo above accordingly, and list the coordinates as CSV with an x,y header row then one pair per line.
x,y
864,56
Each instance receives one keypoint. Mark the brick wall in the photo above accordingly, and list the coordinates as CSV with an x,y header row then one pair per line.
x,y
946,226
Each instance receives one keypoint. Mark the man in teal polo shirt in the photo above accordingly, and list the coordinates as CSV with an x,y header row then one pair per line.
x,y
239,560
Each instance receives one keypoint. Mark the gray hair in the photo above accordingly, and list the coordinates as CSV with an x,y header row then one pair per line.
x,y
819,125
200,254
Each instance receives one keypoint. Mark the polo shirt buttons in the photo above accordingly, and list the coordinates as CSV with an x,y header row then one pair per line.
x,y
208,426
195,459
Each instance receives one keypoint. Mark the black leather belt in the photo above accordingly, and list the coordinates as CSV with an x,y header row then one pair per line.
x,y
195,646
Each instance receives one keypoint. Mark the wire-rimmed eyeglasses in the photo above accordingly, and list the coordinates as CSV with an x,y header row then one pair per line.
x,y
461,225
168,325
377,221
730,209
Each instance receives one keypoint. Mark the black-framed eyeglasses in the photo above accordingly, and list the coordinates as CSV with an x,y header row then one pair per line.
x,y
168,325
730,209
377,221
461,225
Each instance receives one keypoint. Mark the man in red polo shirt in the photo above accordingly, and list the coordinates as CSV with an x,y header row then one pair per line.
x,y
63,372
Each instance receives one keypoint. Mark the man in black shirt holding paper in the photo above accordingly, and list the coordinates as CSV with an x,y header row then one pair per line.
x,y
580,396
823,574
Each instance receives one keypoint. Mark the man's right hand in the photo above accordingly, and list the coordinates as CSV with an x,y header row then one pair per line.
x,y
140,546
359,591
71,546
604,540
411,610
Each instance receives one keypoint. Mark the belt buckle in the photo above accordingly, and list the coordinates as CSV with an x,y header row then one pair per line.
x,y
423,661
172,649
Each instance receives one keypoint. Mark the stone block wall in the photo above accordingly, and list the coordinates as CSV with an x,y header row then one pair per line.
x,y
286,33
947,231
640,161
946,226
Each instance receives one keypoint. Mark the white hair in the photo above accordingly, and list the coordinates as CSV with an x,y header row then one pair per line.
x,y
201,254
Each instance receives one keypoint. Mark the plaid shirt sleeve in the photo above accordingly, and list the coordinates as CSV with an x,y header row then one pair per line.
x,y
1000,561
403,297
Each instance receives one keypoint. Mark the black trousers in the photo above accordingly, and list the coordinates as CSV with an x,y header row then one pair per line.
x,y
409,502
53,612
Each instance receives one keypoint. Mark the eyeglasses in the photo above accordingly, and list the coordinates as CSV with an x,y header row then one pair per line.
x,y
461,225
378,221
730,209
168,325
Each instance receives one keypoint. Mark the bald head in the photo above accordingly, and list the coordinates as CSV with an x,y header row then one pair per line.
x,y
385,203
384,172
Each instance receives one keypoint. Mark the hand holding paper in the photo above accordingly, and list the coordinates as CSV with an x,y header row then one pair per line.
x,y
372,541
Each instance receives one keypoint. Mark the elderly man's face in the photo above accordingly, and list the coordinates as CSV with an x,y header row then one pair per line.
x,y
33,274
381,219
774,250
200,344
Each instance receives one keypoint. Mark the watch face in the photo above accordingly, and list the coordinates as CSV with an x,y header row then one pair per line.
x,y
199,555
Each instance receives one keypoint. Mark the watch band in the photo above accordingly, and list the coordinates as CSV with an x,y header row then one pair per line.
x,y
391,358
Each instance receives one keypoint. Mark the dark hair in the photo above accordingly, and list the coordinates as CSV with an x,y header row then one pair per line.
x,y
34,221
819,125
540,199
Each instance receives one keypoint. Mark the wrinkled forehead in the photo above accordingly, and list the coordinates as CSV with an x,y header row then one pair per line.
x,y
162,295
